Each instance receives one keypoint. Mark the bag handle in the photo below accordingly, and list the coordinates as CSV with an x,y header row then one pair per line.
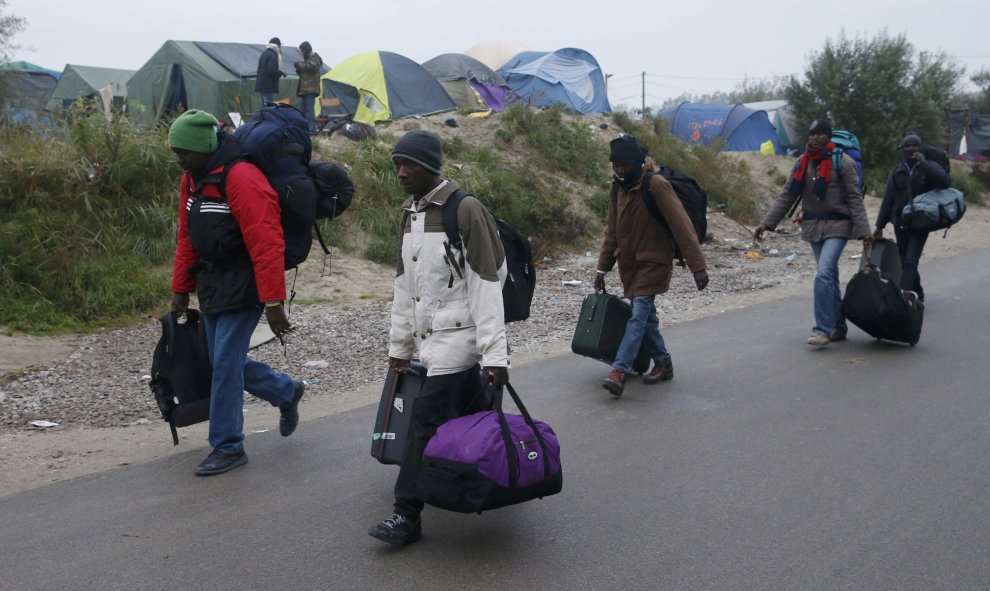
x,y
512,459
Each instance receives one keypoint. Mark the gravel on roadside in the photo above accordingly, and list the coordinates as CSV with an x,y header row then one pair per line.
x,y
104,382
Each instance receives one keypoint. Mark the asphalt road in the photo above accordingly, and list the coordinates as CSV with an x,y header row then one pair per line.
x,y
763,465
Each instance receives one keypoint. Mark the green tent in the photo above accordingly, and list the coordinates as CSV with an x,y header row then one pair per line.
x,y
89,82
214,77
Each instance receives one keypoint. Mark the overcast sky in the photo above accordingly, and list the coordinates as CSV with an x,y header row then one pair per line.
x,y
694,46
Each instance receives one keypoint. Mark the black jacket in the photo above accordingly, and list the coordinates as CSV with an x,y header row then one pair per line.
x,y
908,181
268,73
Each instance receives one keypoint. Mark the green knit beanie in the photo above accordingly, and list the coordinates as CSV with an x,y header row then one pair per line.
x,y
195,131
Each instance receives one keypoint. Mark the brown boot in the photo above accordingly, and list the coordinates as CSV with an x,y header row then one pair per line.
x,y
661,372
615,382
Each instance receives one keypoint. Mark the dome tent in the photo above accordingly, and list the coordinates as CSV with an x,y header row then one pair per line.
x,y
378,86
471,84
569,77
743,129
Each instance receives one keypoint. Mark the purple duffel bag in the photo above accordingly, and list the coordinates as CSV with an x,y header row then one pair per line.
x,y
467,469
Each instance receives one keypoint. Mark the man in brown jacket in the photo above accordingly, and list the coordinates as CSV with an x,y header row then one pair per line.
x,y
832,214
644,249
309,70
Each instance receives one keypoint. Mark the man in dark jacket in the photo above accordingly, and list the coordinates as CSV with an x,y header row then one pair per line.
x,y
832,214
923,169
644,249
309,70
269,71
230,250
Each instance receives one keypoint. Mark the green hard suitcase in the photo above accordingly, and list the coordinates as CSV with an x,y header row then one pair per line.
x,y
600,329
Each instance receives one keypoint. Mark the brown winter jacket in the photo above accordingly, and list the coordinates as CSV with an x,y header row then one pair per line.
x,y
643,247
309,71
850,206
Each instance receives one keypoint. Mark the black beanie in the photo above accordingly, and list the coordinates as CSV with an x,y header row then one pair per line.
x,y
911,136
276,41
625,148
422,147
822,126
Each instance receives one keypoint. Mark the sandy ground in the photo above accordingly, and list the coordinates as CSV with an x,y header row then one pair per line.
x,y
33,459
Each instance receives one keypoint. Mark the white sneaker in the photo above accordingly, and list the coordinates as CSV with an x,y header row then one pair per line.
x,y
818,339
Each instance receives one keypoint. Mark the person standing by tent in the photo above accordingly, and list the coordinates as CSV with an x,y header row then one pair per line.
x,y
309,70
923,169
644,249
447,305
269,71
833,213
230,250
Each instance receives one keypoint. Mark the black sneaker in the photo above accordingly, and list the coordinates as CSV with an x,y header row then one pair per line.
x,y
398,530
218,463
289,420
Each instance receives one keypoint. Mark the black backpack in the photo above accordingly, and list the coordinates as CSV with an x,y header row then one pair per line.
x,y
693,197
181,373
517,293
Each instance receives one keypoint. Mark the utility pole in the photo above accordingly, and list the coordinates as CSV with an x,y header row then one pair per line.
x,y
607,76
643,111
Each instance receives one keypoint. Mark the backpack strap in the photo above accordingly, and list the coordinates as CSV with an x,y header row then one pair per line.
x,y
448,215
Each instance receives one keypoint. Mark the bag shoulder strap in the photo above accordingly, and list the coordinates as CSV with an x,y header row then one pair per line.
x,y
448,215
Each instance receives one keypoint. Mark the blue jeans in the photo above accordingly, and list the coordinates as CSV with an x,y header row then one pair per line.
x,y
909,246
828,295
307,104
265,99
228,336
642,330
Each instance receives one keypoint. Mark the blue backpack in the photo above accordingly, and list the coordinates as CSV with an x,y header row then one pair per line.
x,y
276,140
846,142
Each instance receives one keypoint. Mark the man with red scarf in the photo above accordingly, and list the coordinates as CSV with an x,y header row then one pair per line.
x,y
832,213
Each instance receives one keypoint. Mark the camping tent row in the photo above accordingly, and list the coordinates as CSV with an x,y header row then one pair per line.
x,y
32,89
369,87
378,86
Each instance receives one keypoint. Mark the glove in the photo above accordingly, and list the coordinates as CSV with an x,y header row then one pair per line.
x,y
180,303
496,376
599,281
701,279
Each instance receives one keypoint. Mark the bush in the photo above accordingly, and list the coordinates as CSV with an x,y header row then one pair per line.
x,y
971,187
88,222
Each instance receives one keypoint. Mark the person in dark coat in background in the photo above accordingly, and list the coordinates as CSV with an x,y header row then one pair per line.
x,y
269,71
309,70
923,169
230,250
644,249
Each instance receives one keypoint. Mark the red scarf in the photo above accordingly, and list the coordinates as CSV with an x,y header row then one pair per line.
x,y
822,156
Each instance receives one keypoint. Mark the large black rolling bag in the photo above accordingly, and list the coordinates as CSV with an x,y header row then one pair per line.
x,y
879,307
181,373
600,329
393,424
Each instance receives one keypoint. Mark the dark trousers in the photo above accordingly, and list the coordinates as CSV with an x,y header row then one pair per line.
x,y
444,397
909,246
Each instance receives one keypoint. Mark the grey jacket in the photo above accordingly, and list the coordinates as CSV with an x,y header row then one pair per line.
x,y
843,199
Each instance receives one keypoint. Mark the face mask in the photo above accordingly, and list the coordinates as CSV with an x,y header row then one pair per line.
x,y
629,181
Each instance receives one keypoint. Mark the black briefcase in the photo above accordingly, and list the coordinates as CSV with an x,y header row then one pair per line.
x,y
393,424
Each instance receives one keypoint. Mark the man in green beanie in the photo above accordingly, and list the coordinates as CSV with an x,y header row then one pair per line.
x,y
231,251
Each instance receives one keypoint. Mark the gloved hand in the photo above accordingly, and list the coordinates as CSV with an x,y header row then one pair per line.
x,y
496,376
278,321
398,365
599,281
701,279
180,303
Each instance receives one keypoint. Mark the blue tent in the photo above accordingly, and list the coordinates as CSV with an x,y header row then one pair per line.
x,y
743,129
569,77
